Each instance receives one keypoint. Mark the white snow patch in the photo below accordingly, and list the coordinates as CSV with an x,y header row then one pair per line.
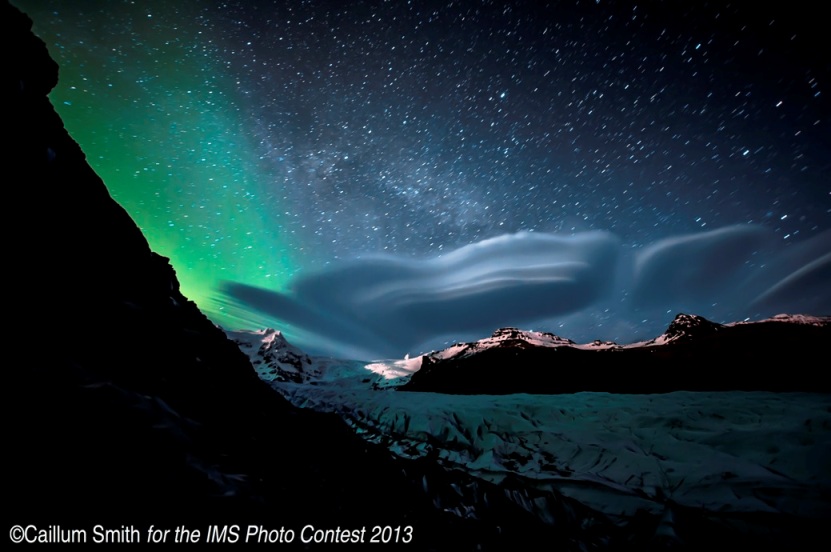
x,y
395,372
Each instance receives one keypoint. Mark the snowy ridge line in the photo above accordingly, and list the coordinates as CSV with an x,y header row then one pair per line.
x,y
680,326
274,358
792,318
702,355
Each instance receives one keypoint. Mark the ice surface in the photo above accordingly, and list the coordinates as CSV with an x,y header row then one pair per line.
x,y
618,455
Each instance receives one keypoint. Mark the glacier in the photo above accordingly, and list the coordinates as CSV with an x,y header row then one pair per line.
x,y
748,462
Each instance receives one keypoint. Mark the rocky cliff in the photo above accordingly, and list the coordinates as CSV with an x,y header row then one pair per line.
x,y
123,403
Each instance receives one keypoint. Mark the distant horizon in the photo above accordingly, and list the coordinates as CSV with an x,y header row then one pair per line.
x,y
310,348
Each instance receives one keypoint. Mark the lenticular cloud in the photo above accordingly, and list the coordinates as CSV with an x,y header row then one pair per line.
x,y
698,268
390,303
385,305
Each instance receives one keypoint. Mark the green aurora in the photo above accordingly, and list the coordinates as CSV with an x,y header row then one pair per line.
x,y
160,123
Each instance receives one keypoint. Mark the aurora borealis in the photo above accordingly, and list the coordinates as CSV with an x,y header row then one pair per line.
x,y
148,102
361,174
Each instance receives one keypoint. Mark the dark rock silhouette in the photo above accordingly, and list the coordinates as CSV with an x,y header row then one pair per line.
x,y
693,354
123,403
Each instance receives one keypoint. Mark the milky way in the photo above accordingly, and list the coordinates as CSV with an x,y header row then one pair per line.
x,y
266,145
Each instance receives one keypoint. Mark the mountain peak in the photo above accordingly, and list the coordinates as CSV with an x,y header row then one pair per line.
x,y
511,333
274,337
272,356
688,326
537,338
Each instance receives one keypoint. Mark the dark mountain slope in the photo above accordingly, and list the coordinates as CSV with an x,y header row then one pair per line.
x,y
123,404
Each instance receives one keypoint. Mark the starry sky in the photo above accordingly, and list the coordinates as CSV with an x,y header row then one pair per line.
x,y
382,178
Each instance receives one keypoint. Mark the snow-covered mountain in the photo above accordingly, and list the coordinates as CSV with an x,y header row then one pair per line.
x,y
693,354
276,360
660,470
685,328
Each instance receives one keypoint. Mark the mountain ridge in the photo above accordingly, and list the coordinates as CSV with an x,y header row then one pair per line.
x,y
693,354
277,360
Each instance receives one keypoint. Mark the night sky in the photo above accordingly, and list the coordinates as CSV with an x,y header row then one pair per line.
x,y
380,178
